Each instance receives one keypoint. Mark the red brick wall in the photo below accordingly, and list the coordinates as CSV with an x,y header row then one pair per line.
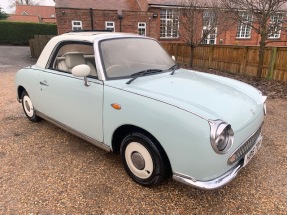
x,y
229,38
130,24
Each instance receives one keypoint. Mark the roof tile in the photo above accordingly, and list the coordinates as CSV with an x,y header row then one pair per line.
x,y
20,18
33,10
128,5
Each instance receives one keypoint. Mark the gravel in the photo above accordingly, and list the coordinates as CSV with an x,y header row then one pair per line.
x,y
45,170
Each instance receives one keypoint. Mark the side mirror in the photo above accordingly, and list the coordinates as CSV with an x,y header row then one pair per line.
x,y
82,70
173,57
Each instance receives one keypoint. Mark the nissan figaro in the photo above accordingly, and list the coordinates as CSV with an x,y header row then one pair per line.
x,y
124,93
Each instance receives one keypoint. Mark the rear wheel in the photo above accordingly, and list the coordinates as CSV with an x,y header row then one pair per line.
x,y
28,107
143,160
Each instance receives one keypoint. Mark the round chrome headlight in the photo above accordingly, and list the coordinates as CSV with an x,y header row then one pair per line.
x,y
221,136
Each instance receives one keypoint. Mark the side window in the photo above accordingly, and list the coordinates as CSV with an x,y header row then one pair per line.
x,y
77,25
110,26
69,55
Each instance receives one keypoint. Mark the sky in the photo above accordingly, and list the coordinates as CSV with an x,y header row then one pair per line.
x,y
4,4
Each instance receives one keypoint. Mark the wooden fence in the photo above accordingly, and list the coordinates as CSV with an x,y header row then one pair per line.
x,y
235,59
38,43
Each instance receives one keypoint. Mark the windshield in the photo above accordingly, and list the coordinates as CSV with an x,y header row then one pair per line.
x,y
126,56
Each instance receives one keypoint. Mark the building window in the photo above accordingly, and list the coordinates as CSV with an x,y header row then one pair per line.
x,y
244,27
169,23
209,31
110,26
142,28
211,36
77,25
24,13
275,25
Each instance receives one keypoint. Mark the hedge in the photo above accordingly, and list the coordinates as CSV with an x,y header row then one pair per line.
x,y
19,33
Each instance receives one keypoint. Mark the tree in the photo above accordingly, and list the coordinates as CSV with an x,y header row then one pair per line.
x,y
3,15
199,23
265,17
12,3
29,2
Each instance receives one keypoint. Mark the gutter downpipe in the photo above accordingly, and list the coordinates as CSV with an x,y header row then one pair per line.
x,y
92,18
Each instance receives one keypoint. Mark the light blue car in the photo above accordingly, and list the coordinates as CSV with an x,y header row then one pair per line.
x,y
124,93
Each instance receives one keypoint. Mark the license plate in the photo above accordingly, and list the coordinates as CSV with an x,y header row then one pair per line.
x,y
252,152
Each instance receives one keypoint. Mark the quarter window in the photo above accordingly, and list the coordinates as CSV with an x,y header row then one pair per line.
x,y
142,28
244,27
77,25
110,26
71,54
169,23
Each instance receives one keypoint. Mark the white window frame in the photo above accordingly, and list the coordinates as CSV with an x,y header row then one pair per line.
x,y
77,25
211,37
142,28
244,28
169,24
274,19
208,25
110,27
24,13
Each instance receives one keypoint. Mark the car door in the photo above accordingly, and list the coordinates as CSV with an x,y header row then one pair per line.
x,y
67,100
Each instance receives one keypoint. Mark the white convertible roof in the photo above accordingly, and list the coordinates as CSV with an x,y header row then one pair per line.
x,y
90,36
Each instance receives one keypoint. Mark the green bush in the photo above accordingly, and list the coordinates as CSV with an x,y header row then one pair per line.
x,y
19,33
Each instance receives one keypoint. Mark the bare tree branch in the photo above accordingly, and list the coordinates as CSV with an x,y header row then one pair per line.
x,y
12,3
201,22
268,18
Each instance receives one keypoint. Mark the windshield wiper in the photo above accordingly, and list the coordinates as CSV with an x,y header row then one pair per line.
x,y
173,68
143,73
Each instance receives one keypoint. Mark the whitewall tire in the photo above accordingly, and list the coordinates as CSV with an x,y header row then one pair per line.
x,y
144,159
28,107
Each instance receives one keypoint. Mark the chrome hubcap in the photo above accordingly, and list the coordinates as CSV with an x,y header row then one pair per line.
x,y
138,160
28,106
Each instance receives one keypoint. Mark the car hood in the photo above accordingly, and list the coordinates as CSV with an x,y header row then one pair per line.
x,y
208,96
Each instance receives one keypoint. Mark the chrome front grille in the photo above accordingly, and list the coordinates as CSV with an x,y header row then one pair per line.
x,y
244,148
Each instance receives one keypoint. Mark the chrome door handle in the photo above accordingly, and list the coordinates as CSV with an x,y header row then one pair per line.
x,y
44,83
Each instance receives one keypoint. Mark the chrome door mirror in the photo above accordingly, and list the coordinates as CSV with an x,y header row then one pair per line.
x,y
82,70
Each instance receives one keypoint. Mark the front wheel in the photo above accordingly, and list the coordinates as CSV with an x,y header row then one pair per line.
x,y
28,107
144,161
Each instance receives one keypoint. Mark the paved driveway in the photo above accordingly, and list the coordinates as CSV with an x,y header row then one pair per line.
x,y
45,170
13,58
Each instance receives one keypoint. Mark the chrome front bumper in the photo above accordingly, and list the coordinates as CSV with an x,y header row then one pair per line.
x,y
214,183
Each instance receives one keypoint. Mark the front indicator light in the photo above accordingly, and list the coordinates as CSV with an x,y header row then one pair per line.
x,y
116,106
232,159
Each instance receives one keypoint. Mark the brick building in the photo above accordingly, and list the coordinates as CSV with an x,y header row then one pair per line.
x,y
155,18
33,13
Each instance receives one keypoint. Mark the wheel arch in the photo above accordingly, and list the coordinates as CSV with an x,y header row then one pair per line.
x,y
121,132
20,90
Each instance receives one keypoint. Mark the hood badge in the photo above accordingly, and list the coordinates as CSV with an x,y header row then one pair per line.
x,y
252,111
